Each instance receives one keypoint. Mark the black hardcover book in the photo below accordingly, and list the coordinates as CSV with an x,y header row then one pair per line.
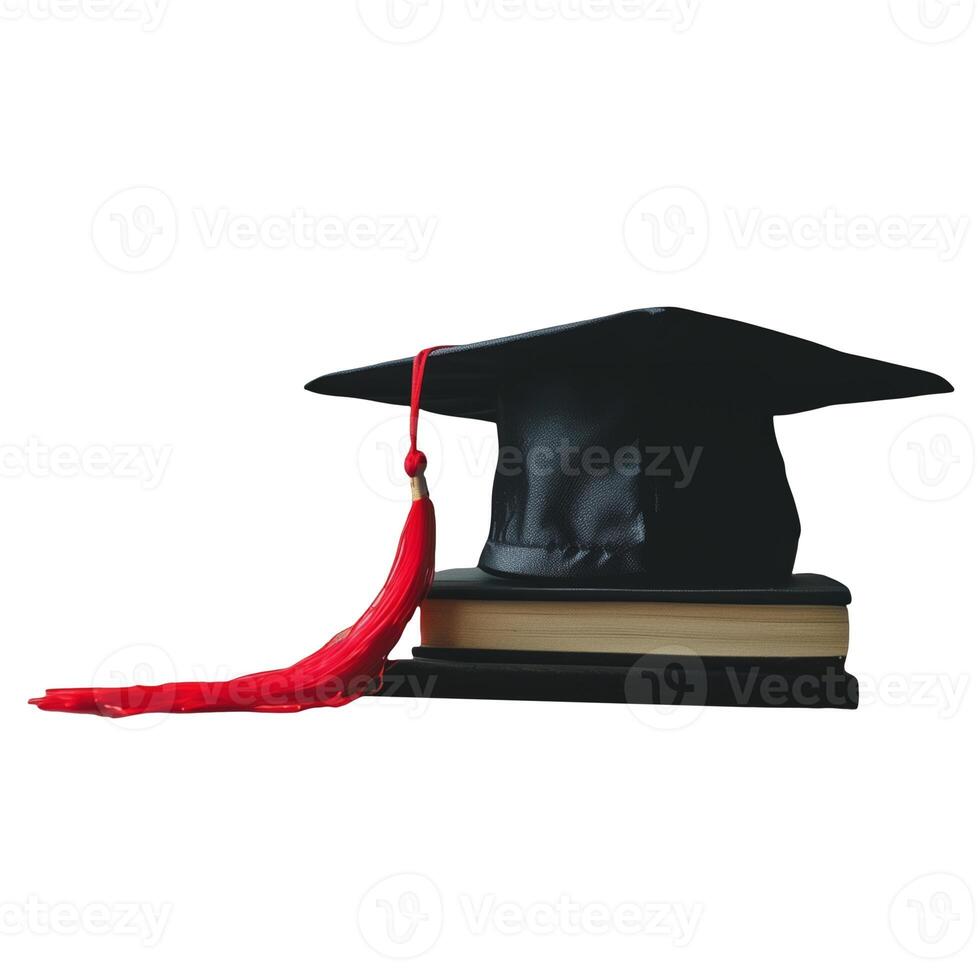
x,y
474,583
488,637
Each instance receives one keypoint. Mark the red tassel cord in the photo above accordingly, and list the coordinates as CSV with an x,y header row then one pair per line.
x,y
347,666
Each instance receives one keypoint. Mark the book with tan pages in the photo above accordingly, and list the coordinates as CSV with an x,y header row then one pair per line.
x,y
494,637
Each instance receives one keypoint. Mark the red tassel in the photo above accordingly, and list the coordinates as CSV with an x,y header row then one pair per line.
x,y
347,666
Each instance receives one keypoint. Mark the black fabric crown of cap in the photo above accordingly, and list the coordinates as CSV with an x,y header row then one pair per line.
x,y
639,444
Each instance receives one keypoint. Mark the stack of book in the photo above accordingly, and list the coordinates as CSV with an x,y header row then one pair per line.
x,y
488,636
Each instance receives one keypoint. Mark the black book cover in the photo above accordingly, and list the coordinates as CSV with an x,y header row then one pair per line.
x,y
474,583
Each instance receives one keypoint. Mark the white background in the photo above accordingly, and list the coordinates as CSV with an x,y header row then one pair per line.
x,y
524,135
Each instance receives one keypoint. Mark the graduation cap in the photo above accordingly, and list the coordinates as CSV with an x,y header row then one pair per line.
x,y
638,446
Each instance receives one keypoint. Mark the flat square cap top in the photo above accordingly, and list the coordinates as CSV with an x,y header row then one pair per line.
x,y
779,373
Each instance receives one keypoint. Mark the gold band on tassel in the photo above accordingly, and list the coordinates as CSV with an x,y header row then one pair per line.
x,y
420,489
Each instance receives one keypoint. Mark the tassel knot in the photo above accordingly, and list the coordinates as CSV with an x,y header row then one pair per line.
x,y
415,463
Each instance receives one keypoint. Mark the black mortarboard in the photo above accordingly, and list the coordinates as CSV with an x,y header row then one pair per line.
x,y
640,443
